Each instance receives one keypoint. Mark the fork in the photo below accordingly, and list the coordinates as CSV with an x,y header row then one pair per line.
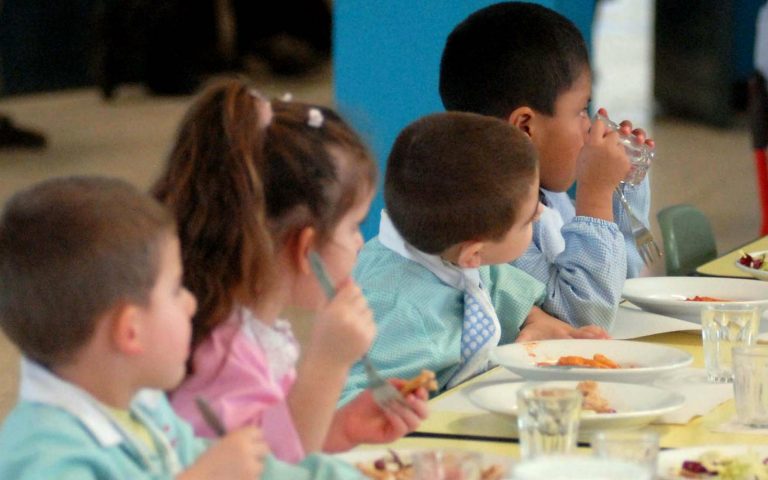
x,y
384,393
646,245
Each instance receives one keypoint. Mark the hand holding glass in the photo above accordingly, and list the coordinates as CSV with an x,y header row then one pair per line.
x,y
640,154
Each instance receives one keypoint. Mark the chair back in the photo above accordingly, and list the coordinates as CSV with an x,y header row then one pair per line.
x,y
688,238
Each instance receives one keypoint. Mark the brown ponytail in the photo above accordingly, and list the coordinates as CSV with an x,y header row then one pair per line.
x,y
241,182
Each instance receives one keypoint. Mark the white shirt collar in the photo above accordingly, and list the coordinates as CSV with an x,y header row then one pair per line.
x,y
40,385
452,275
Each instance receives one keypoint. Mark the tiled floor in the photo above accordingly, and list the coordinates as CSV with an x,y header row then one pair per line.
x,y
129,138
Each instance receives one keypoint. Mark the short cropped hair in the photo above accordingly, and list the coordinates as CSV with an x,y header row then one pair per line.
x,y
509,55
71,249
454,177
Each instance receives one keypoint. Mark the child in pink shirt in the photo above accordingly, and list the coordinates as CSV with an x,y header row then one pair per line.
x,y
256,185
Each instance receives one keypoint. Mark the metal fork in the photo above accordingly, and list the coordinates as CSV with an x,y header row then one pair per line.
x,y
384,393
646,245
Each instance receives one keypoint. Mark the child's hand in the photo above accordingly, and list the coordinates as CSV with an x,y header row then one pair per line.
x,y
602,164
541,326
362,420
238,455
344,328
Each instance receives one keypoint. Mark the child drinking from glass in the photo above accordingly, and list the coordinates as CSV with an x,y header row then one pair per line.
x,y
256,185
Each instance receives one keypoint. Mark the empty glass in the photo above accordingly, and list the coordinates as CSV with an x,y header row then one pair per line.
x,y
447,465
724,326
750,385
635,446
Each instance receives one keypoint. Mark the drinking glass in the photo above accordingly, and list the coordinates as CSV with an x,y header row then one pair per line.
x,y
547,420
635,446
574,467
724,326
640,154
750,385
447,465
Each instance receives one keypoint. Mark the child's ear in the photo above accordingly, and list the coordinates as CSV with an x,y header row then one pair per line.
x,y
304,243
522,118
470,254
126,328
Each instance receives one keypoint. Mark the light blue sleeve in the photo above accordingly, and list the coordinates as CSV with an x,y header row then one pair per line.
x,y
639,199
585,280
513,293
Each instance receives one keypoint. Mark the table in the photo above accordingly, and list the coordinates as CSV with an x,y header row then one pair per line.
x,y
724,266
492,433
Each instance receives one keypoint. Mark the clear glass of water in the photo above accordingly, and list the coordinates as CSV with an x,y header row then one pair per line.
x,y
636,446
547,420
447,465
750,385
724,326
640,154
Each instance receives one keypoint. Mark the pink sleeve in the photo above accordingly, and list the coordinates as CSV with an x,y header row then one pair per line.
x,y
232,374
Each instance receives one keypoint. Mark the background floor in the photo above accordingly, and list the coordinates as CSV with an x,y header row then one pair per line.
x,y
130,136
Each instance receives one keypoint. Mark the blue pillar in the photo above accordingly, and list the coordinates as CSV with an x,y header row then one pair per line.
x,y
387,60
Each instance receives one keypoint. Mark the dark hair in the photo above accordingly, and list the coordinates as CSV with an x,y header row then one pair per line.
x,y
509,55
453,177
244,177
70,250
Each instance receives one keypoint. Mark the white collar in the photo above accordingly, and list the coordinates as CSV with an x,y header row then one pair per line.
x,y
451,275
40,385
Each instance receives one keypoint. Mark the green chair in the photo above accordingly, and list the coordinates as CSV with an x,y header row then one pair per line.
x,y
688,239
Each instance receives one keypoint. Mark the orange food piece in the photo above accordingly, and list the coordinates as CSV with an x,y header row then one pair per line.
x,y
425,379
698,298
597,361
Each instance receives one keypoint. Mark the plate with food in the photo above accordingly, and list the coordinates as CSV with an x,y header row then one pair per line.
x,y
605,405
581,359
389,464
683,297
715,462
754,263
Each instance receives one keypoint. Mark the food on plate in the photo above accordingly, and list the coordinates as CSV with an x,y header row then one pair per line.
x,y
757,262
395,467
425,379
698,298
714,465
593,400
598,360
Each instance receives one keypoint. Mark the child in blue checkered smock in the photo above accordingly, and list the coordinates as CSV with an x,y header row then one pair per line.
x,y
461,193
529,66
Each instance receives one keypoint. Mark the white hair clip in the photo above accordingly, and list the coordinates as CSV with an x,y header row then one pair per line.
x,y
315,118
255,94
263,108
287,97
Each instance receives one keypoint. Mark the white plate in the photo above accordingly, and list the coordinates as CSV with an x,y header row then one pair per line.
x,y
635,405
371,455
757,273
642,361
670,461
666,295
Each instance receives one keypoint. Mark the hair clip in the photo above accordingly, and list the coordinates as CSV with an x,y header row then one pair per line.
x,y
315,118
287,97
255,94
264,108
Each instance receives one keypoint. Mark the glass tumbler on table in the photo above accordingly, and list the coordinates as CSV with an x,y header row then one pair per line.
x,y
447,465
724,326
640,154
547,420
750,385
636,446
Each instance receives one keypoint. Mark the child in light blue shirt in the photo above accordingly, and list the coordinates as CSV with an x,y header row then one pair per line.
x,y
92,296
461,192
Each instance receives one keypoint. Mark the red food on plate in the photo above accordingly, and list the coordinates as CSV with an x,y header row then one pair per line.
x,y
702,298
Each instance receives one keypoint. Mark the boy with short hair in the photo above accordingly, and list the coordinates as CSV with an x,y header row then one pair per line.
x,y
91,294
529,66
461,192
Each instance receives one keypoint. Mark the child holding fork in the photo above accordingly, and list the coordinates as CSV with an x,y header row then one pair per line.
x,y
256,186
529,66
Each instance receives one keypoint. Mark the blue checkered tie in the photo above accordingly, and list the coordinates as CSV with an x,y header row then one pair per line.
x,y
477,328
